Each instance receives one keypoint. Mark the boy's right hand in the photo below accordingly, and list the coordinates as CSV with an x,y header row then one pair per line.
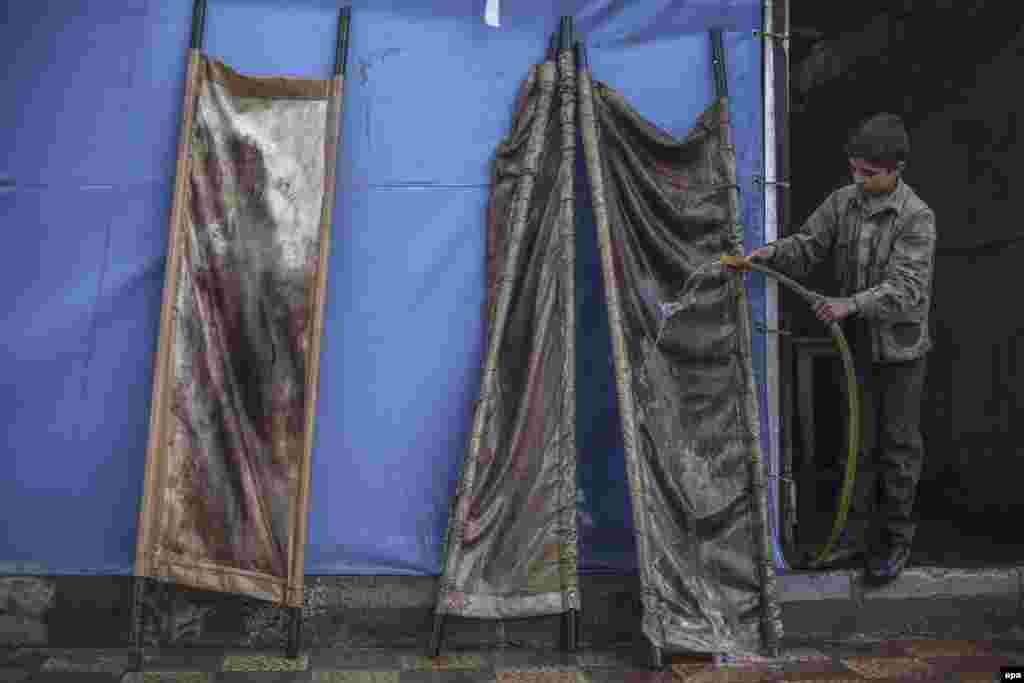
x,y
742,264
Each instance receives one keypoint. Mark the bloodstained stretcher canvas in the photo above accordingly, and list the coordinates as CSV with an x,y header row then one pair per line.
x,y
226,495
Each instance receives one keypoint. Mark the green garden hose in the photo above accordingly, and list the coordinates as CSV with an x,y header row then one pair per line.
x,y
852,395
853,412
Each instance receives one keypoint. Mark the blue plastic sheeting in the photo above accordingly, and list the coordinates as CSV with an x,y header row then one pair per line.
x,y
85,190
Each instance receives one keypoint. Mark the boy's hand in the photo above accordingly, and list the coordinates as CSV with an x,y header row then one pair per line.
x,y
742,263
834,310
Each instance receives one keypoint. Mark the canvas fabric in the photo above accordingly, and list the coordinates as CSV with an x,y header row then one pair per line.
x,y
665,208
511,542
227,476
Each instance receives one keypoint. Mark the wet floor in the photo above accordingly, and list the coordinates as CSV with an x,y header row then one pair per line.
x,y
899,660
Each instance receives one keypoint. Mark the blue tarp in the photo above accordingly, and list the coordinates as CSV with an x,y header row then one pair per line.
x,y
87,154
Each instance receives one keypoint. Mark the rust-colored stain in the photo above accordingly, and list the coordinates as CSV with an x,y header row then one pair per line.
x,y
816,670
648,677
685,667
822,677
945,648
692,660
885,667
541,676
731,675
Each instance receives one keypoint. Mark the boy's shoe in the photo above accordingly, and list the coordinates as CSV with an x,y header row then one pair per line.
x,y
887,566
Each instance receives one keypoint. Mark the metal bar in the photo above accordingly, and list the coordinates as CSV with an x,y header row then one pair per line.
x,y
779,483
718,62
567,105
581,56
592,147
566,38
777,19
295,633
787,503
300,531
781,15
437,636
198,24
768,34
168,605
155,473
749,404
657,660
138,639
341,54
765,329
570,628
760,181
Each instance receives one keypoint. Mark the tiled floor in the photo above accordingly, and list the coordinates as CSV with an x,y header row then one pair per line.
x,y
907,660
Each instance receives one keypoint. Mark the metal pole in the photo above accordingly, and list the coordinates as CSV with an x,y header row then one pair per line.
x,y
198,24
169,603
776,200
784,197
581,57
768,220
138,586
139,580
570,619
591,152
294,646
750,404
718,62
341,53
572,627
437,636
295,633
782,112
783,487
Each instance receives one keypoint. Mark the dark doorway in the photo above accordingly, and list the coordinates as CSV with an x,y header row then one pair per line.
x,y
945,67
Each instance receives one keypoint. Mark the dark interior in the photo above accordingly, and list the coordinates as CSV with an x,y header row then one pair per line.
x,y
939,65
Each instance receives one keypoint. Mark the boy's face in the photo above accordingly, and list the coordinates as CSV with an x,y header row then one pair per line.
x,y
874,179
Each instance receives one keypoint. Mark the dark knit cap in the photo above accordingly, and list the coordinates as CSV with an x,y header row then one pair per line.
x,y
881,139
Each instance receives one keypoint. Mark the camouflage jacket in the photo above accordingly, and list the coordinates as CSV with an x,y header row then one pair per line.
x,y
883,257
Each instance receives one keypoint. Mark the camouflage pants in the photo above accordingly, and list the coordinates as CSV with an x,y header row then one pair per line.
x,y
892,451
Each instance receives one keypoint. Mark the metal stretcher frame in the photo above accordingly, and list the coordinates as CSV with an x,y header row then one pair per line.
x,y
142,583
562,41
